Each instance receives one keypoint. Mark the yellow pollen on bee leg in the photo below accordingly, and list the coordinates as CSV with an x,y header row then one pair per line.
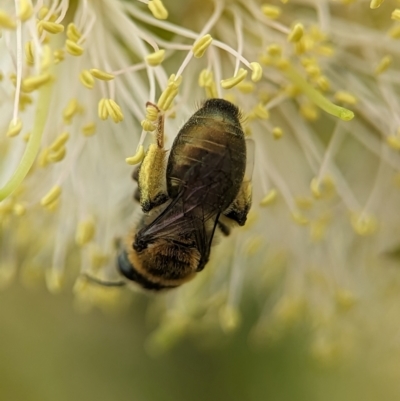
x,y
155,58
158,9
137,157
233,81
102,75
85,232
14,128
86,79
51,196
201,45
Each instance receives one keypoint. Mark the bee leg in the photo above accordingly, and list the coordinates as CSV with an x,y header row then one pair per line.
x,y
240,207
224,228
152,183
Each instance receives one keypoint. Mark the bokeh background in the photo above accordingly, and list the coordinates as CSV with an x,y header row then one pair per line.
x,y
50,351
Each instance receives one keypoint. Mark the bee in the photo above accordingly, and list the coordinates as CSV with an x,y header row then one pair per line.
x,y
200,187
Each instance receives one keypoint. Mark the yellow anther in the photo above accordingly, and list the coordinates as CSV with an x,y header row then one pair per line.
x,y
44,11
245,86
174,82
102,75
271,12
155,58
6,21
313,70
345,97
53,206
58,55
233,81
137,157
383,64
32,83
395,14
299,218
289,310
26,137
323,83
98,258
296,33
54,281
395,32
59,142
201,45
85,232
326,51
229,318
256,73
309,111
25,10
148,125
89,129
86,79
304,203
345,299
318,230
363,225
114,110
71,109
102,109
73,32
274,50
73,48
206,78
51,27
269,198
42,158
47,58
14,128
57,155
167,97
277,132
51,196
19,209
157,9
393,141
260,112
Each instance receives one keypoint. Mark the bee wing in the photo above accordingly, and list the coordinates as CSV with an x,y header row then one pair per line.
x,y
189,211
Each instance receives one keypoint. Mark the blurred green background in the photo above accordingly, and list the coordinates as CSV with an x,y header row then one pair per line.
x,y
48,351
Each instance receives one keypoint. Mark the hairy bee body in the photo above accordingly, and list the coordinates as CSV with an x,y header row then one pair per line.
x,y
203,180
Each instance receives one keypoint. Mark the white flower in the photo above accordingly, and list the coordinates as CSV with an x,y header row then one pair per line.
x,y
319,242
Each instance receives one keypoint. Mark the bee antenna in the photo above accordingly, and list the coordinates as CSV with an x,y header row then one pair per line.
x,y
104,283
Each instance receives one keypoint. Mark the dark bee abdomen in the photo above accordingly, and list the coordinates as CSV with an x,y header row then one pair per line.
x,y
209,155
